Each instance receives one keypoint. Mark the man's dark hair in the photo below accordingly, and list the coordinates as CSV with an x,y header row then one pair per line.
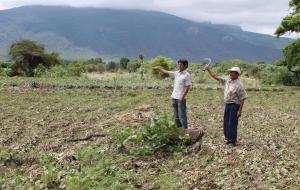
x,y
183,61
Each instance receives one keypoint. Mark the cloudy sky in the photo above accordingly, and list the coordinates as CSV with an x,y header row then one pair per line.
x,y
253,15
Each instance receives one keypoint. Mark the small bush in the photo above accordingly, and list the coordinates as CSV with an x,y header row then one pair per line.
x,y
132,66
69,70
96,171
51,177
95,61
58,71
5,64
154,136
2,72
123,62
100,68
6,68
112,66
39,71
76,68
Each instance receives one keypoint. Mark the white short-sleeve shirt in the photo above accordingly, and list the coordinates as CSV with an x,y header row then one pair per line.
x,y
181,80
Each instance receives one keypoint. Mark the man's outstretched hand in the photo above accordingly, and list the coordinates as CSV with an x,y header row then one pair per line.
x,y
156,68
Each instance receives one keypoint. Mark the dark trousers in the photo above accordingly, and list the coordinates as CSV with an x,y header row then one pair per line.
x,y
180,113
231,122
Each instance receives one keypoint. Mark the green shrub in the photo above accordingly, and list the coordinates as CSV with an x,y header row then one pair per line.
x,y
159,61
5,64
2,72
95,61
132,66
272,74
154,136
58,71
39,71
112,66
51,176
93,169
123,62
100,68
96,171
286,77
224,66
76,68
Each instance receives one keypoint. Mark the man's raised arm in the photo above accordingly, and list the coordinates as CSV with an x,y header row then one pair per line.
x,y
212,74
161,70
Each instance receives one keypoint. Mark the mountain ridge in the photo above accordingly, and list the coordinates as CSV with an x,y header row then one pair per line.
x,y
110,33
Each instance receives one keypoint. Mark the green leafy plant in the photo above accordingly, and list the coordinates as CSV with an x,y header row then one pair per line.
x,y
132,66
51,176
39,71
96,171
157,135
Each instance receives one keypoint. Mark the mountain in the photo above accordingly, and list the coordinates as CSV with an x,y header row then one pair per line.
x,y
92,32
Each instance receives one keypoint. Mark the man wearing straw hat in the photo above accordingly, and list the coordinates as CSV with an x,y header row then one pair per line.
x,y
234,97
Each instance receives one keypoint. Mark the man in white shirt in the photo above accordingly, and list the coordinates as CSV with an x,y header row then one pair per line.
x,y
182,84
234,97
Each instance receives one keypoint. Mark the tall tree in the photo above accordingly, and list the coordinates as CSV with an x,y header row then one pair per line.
x,y
123,62
28,55
141,57
291,23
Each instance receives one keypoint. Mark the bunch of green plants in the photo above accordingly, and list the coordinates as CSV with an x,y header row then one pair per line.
x,y
267,73
73,69
159,61
39,71
57,71
157,135
97,171
5,68
132,66
99,68
93,169
76,68
112,66
222,67
272,74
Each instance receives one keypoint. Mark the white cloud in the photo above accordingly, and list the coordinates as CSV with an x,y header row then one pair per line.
x,y
254,15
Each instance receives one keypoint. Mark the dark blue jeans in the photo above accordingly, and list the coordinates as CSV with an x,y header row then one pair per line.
x,y
231,122
180,113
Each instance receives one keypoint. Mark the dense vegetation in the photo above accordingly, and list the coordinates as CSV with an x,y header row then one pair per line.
x,y
268,74
30,59
291,52
28,55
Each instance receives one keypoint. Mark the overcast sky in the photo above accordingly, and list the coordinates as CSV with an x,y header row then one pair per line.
x,y
262,16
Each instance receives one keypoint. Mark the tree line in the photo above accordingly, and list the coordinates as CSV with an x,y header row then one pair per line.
x,y
29,58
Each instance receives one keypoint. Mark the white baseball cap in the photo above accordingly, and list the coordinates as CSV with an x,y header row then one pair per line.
x,y
236,69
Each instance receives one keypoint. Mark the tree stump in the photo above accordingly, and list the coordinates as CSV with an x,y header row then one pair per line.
x,y
195,135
